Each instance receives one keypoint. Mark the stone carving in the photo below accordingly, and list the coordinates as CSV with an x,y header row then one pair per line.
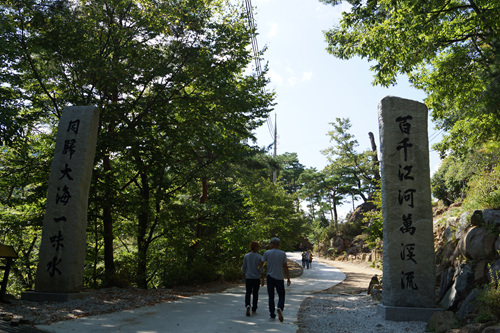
x,y
408,264
62,251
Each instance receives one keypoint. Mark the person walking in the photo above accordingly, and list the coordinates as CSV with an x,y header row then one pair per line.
x,y
252,274
304,259
308,256
277,268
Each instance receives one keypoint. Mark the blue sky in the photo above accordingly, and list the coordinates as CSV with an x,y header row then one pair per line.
x,y
314,88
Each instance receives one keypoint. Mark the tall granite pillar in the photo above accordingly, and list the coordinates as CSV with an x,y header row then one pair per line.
x,y
63,247
408,254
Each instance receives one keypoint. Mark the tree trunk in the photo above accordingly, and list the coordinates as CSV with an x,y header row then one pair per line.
x,y
107,219
375,156
203,200
142,242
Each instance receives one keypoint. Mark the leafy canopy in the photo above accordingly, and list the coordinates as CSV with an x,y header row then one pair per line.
x,y
450,49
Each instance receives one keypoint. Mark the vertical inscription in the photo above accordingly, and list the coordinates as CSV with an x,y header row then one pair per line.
x,y
62,251
406,203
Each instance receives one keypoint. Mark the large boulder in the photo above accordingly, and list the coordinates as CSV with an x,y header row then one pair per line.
x,y
442,321
464,283
492,329
478,243
467,311
446,255
461,225
481,271
337,244
446,282
360,211
491,216
474,328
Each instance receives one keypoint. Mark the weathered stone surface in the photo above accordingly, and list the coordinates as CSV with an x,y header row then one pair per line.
x,y
446,282
63,247
463,284
478,243
448,234
467,308
474,328
481,272
491,216
492,329
337,244
442,321
408,263
462,224
464,281
446,253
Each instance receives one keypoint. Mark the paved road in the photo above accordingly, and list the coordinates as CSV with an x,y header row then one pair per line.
x,y
219,312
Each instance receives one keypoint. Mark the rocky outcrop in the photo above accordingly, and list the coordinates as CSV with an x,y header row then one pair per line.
x,y
467,257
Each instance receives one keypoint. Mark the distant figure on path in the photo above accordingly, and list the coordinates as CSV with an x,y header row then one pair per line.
x,y
304,259
252,274
308,256
277,267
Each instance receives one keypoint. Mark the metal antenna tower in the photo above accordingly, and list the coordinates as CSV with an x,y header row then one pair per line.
x,y
258,67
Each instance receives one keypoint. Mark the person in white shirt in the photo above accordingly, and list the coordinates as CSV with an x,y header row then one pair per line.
x,y
277,268
252,275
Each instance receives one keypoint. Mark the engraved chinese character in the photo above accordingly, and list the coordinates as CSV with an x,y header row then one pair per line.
x,y
69,147
56,241
404,144
60,219
407,196
407,281
52,266
73,126
64,198
407,252
404,125
65,172
404,172
407,225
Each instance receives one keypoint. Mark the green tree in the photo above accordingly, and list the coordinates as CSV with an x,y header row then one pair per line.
x,y
175,102
356,171
291,171
449,49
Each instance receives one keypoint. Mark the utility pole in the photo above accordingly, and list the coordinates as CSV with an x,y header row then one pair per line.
x,y
275,145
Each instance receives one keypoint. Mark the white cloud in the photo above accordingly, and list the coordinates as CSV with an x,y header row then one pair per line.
x,y
273,31
306,76
276,79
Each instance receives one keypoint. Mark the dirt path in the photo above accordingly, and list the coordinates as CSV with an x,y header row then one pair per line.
x,y
358,276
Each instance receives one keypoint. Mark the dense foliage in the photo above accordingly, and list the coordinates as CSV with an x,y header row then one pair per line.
x,y
177,192
449,49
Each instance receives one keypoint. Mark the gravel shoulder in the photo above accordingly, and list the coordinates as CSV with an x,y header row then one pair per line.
x,y
347,307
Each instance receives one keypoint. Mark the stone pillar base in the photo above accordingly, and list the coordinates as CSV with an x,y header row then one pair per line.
x,y
399,313
40,296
